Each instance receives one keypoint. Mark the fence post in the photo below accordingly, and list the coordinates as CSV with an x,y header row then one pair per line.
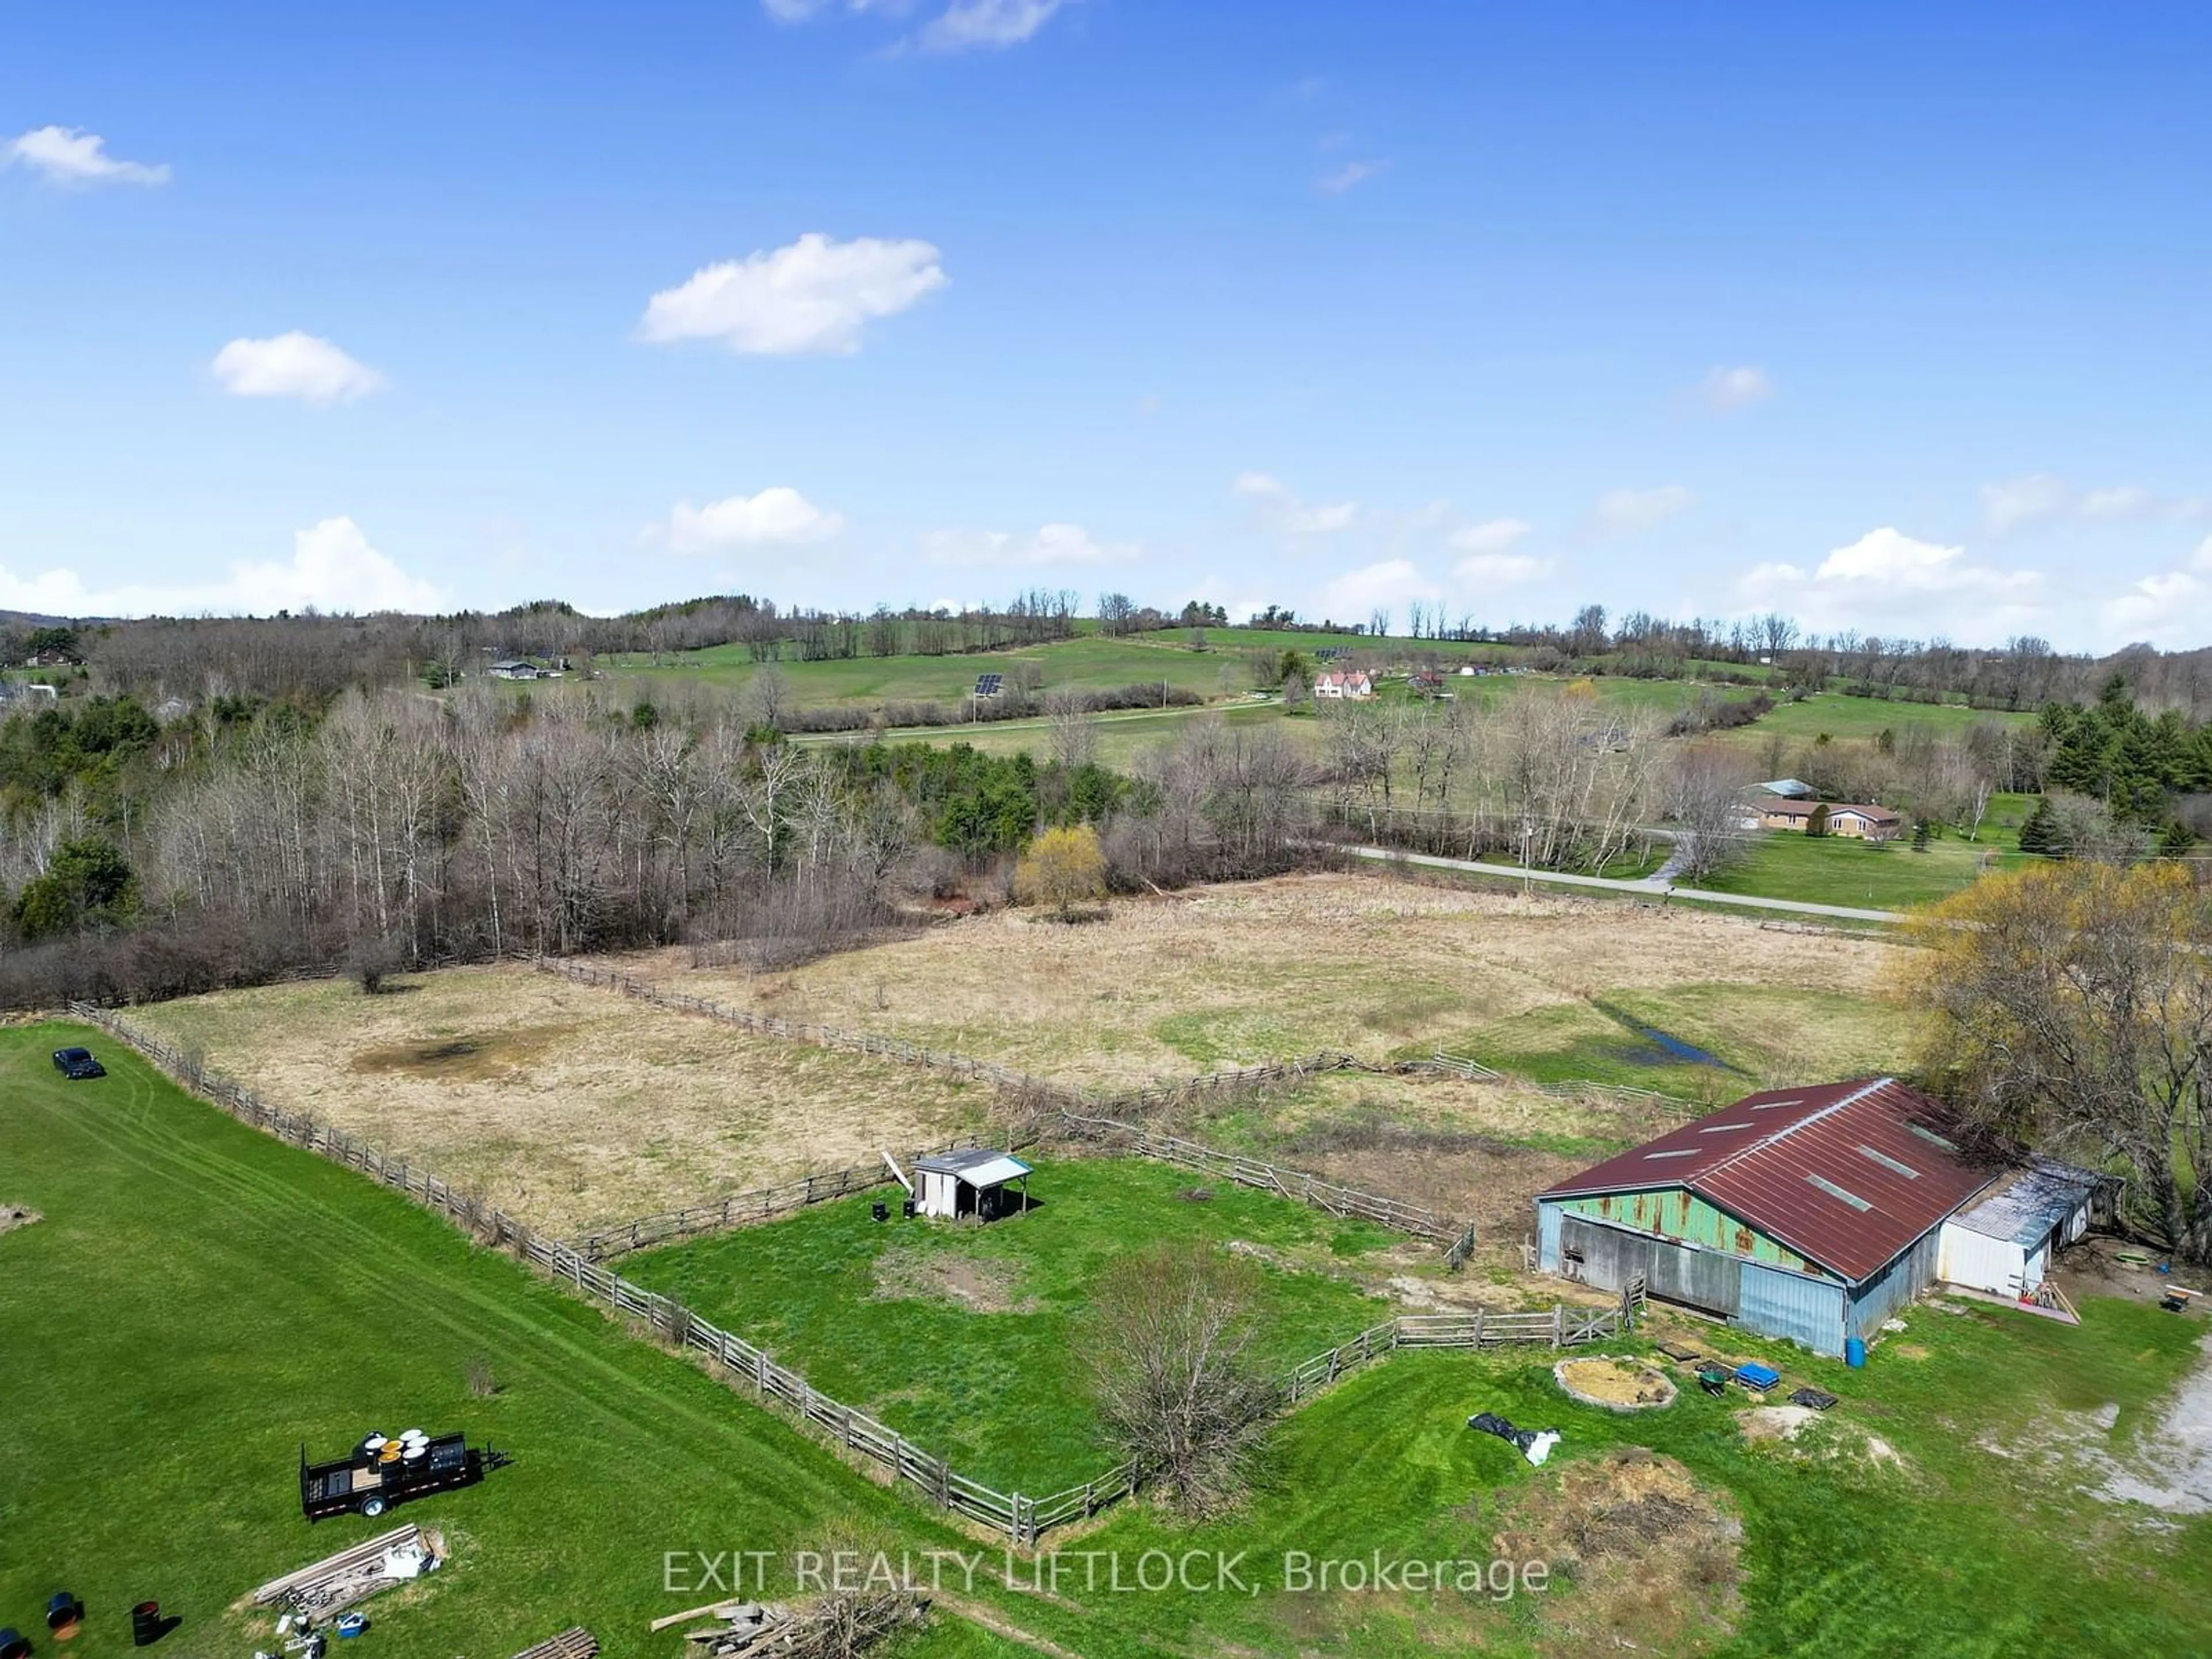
x,y
1559,1323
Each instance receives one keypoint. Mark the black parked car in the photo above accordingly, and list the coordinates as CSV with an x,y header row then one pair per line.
x,y
76,1064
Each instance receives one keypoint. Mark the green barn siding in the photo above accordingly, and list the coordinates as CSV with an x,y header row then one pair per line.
x,y
1675,1212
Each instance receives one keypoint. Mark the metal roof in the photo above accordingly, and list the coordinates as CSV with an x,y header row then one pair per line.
x,y
1792,787
979,1166
1847,1174
2033,1205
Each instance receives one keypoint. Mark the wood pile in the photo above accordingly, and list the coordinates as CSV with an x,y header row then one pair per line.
x,y
832,1628
574,1643
338,1581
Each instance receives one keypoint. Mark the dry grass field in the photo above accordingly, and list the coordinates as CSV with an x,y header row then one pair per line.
x,y
567,1106
1237,975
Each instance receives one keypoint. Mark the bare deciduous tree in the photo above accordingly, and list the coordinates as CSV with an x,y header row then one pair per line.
x,y
1705,786
1171,1369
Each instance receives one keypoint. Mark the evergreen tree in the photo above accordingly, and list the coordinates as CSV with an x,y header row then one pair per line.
x,y
2040,833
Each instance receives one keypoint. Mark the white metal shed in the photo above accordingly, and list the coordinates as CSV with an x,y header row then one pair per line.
x,y
2003,1243
970,1182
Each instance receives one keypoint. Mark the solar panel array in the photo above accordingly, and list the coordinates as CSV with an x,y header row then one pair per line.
x,y
989,685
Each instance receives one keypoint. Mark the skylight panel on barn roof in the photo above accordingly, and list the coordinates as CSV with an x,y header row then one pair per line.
x,y
1889,1163
1930,1136
1679,1151
1834,1191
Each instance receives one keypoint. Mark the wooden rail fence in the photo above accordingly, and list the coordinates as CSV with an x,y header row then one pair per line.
x,y
1022,1518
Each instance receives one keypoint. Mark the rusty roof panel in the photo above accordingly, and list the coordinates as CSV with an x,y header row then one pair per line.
x,y
1847,1174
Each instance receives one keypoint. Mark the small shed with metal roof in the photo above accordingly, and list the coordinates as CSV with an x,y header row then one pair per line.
x,y
1808,1213
2003,1243
972,1181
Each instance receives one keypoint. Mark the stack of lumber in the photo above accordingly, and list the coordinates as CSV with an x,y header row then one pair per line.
x,y
574,1643
340,1580
832,1628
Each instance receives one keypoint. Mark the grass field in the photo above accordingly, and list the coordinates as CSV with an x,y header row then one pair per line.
x,y
970,1340
198,1299
568,1107
1253,972
1863,719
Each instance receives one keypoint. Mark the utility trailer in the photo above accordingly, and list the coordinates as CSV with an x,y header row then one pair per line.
x,y
367,1482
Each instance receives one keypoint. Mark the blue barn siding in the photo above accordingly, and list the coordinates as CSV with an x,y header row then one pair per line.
x,y
1548,1237
1911,1272
1789,1305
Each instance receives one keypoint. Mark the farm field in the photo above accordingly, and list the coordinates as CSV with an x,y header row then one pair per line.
x,y
1241,975
291,1300
200,1299
567,1107
1841,717
970,1340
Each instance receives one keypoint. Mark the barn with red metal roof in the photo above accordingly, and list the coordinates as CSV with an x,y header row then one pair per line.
x,y
1806,1214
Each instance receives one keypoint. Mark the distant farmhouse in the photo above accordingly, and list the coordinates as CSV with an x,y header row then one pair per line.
x,y
1859,822
512,668
1353,683
1813,1213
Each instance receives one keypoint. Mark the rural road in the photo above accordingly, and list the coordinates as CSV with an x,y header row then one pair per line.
x,y
1649,888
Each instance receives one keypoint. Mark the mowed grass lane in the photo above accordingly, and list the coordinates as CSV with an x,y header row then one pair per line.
x,y
200,1299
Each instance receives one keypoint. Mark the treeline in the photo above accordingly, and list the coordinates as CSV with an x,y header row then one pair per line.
x,y
141,861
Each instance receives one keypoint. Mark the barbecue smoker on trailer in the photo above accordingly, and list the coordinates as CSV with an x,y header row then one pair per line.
x,y
380,1472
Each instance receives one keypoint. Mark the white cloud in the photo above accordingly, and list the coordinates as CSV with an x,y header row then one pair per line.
x,y
1052,544
1350,176
1626,512
69,156
814,296
1891,580
2171,608
1390,583
1279,507
2121,502
969,25
1491,536
294,365
2016,503
2041,498
1723,391
332,568
777,517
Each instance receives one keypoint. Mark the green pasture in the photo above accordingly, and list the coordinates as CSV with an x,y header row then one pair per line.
x,y
968,1340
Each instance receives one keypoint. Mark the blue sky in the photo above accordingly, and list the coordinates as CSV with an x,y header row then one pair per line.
x,y
1893,318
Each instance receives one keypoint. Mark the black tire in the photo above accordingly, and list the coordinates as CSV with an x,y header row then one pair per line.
x,y
372,1506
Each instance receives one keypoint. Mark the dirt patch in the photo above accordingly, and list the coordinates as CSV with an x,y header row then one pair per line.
x,y
489,1057
979,1285
1619,1385
1653,1555
1816,1436
12,1216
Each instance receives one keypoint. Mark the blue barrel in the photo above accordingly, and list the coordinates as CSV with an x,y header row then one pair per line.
x,y
1855,1351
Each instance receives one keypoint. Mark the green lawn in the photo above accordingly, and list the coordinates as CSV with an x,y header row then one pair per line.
x,y
1964,1553
878,1314
200,1299
1875,875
